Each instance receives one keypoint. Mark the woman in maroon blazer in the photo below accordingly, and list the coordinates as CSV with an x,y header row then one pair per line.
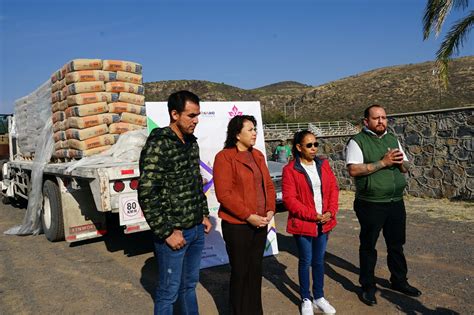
x,y
246,195
310,193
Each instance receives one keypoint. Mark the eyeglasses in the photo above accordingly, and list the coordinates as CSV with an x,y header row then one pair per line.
x,y
309,145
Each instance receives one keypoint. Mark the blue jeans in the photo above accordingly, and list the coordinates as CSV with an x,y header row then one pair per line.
x,y
311,253
178,273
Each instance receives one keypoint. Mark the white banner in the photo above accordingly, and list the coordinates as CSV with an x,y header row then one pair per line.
x,y
211,134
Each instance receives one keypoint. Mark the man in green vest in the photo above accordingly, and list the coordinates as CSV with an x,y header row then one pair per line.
x,y
376,160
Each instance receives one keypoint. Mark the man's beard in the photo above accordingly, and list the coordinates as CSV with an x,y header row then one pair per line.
x,y
380,132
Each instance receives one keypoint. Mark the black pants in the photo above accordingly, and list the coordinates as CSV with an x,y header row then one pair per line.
x,y
389,217
245,246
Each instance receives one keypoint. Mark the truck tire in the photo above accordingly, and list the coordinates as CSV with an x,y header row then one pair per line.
x,y
5,199
52,213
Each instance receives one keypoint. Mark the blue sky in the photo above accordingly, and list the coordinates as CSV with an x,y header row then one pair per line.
x,y
244,43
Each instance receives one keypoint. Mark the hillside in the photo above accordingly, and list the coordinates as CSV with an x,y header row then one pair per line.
x,y
405,88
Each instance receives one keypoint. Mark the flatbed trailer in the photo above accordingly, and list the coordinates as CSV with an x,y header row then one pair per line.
x,y
75,202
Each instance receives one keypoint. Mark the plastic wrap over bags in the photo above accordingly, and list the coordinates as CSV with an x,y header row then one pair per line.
x,y
32,220
126,149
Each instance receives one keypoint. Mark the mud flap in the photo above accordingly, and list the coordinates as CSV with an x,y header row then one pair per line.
x,y
81,218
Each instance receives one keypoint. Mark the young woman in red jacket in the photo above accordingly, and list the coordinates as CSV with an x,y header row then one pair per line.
x,y
246,195
310,193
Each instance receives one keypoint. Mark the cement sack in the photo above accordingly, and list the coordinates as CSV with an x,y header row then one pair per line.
x,y
59,136
64,93
58,145
132,98
84,64
87,110
92,142
129,77
133,119
90,75
83,134
117,87
59,126
56,97
59,106
57,75
85,87
77,154
58,116
90,121
61,154
88,98
58,85
122,127
54,78
120,65
120,107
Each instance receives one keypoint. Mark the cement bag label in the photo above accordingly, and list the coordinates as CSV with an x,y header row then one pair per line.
x,y
133,119
85,87
90,121
82,134
124,87
132,98
120,107
121,65
87,110
92,142
88,98
129,77
122,127
84,64
90,75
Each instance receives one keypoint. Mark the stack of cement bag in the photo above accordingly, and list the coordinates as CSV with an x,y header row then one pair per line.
x,y
94,101
31,114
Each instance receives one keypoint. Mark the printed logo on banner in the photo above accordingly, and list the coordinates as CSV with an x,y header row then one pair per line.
x,y
235,112
208,113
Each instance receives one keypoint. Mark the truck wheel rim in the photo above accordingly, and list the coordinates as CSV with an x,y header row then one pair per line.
x,y
47,213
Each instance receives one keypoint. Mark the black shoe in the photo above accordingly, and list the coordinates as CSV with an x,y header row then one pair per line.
x,y
407,289
368,296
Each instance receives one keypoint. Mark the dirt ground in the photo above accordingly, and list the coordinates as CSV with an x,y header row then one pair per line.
x,y
116,274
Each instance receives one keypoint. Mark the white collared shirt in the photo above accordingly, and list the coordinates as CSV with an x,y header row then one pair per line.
x,y
354,154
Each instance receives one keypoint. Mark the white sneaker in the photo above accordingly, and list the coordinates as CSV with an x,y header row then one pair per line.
x,y
306,307
323,305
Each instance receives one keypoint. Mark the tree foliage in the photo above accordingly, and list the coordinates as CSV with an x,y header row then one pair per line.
x,y
435,15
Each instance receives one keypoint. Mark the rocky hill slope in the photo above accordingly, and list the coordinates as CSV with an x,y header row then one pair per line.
x,y
405,88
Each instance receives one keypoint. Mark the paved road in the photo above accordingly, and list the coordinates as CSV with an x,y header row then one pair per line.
x,y
115,275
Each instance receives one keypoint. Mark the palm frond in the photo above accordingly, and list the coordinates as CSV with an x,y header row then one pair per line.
x,y
451,45
431,15
436,12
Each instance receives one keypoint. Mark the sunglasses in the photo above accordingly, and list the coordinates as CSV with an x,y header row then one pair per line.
x,y
309,145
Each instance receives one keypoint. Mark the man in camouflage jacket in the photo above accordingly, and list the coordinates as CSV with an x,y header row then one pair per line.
x,y
171,196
